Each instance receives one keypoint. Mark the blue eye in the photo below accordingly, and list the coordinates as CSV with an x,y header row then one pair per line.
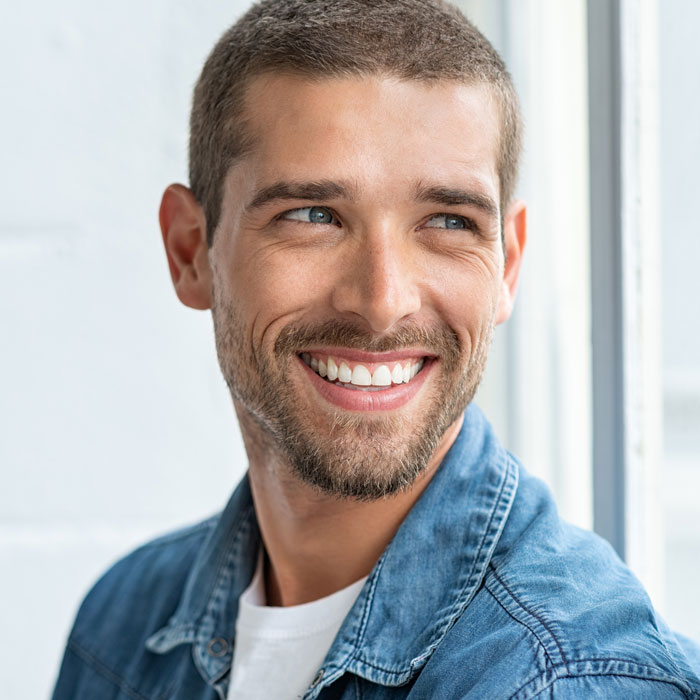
x,y
312,215
450,221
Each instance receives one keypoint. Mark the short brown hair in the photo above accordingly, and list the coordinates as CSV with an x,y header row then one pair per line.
x,y
425,40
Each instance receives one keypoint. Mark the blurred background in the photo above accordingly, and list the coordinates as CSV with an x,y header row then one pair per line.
x,y
115,424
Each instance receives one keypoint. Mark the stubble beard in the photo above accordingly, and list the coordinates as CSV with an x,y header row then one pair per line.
x,y
357,457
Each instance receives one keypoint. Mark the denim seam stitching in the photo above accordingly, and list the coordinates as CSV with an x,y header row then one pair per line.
x,y
616,674
472,581
368,606
509,475
195,621
223,561
110,675
530,612
663,676
552,664
400,672
182,533
604,659
355,647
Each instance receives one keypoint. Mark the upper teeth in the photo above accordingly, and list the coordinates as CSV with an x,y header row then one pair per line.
x,y
360,375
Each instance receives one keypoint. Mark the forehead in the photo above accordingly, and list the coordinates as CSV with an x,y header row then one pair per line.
x,y
376,131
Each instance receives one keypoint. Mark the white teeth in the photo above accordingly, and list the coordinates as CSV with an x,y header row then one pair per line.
x,y
381,376
344,374
416,368
361,388
332,370
361,376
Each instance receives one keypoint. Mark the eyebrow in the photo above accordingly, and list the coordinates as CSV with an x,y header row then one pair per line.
x,y
320,191
324,190
451,196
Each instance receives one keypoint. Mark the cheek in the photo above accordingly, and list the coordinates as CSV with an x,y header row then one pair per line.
x,y
464,295
464,287
275,286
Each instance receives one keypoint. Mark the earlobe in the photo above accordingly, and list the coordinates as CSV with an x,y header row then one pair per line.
x,y
515,237
183,226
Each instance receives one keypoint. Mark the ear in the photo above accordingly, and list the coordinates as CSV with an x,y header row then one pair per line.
x,y
184,229
515,236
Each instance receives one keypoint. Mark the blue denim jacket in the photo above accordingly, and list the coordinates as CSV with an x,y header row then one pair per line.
x,y
484,593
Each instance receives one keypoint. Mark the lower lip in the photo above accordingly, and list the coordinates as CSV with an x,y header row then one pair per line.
x,y
357,400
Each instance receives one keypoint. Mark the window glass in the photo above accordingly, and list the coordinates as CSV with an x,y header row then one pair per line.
x,y
537,387
679,139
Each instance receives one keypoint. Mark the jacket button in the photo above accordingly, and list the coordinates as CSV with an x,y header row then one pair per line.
x,y
217,647
317,678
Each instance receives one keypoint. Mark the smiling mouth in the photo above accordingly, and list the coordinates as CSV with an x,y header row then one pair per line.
x,y
363,376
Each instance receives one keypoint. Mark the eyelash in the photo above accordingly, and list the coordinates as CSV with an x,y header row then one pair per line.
x,y
469,224
335,222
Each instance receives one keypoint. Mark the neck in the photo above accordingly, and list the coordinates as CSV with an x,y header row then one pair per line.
x,y
317,544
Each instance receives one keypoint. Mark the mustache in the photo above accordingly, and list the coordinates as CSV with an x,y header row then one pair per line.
x,y
439,340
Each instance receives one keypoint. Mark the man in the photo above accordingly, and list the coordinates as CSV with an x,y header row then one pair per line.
x,y
351,224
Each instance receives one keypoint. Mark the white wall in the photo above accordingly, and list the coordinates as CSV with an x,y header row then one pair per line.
x,y
115,423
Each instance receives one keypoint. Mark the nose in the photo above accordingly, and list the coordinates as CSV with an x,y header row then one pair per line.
x,y
380,282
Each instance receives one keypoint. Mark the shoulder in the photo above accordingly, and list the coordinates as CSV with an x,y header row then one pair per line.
x,y
581,611
132,600
143,588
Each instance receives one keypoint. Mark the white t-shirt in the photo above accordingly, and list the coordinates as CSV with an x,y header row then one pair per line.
x,y
279,650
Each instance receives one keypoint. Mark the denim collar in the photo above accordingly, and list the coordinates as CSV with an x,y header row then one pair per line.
x,y
420,586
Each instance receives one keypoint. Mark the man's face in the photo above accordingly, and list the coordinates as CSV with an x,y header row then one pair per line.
x,y
359,240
